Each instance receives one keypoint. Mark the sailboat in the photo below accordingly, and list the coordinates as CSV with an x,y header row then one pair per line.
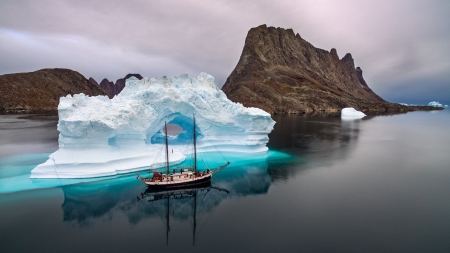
x,y
180,176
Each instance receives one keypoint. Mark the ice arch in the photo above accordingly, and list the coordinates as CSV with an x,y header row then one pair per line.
x,y
184,137
101,136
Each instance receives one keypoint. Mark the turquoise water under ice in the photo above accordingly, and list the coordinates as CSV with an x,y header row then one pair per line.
x,y
15,171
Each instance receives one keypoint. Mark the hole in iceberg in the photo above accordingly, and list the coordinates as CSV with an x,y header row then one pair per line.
x,y
180,132
172,129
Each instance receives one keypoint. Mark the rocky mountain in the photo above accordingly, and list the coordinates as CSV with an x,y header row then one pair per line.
x,y
41,90
282,73
120,83
114,89
108,86
92,81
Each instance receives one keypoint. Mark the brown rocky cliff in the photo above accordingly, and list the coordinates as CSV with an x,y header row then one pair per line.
x,y
108,86
92,81
114,89
120,83
41,90
282,73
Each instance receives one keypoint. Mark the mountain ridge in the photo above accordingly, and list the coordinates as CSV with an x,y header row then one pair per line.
x,y
111,88
282,73
40,90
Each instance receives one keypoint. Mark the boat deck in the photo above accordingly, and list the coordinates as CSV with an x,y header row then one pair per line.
x,y
183,178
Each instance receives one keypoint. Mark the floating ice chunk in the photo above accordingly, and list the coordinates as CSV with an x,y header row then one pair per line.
x,y
435,104
351,113
403,104
103,137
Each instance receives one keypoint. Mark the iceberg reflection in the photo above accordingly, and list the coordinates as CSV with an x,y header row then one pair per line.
x,y
88,202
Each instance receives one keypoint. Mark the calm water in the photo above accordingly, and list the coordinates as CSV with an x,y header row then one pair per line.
x,y
380,184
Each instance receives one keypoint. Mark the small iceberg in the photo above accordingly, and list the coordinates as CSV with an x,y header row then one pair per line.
x,y
350,113
435,104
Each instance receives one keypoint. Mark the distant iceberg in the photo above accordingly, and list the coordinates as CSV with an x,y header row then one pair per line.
x,y
350,113
435,104
103,137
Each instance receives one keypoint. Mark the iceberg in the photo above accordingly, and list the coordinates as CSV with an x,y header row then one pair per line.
x,y
99,136
435,104
350,113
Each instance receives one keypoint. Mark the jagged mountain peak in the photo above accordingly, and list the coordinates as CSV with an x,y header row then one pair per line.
x,y
280,72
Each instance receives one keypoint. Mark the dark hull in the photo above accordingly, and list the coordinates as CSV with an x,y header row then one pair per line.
x,y
153,190
200,182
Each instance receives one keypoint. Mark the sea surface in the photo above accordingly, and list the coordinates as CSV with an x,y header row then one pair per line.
x,y
379,184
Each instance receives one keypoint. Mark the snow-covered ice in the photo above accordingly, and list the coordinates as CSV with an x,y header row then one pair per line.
x,y
351,113
103,137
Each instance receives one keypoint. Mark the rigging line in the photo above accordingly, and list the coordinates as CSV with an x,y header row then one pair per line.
x,y
156,158
210,156
211,144
204,196
160,215
215,158
208,214
151,203
200,156
206,166
191,152
56,172
207,139
185,148
188,145
220,189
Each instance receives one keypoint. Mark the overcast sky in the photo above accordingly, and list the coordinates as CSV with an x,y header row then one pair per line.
x,y
402,46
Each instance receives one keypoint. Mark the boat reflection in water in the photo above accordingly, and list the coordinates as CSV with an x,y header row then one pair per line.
x,y
196,195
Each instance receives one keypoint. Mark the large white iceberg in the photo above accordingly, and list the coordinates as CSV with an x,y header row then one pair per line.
x,y
350,113
102,137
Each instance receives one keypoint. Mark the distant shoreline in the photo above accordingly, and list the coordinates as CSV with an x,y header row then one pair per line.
x,y
333,112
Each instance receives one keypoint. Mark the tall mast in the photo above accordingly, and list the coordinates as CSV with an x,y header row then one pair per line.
x,y
195,147
167,219
167,150
195,216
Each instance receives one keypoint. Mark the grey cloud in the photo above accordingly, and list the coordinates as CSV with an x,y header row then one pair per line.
x,y
394,43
